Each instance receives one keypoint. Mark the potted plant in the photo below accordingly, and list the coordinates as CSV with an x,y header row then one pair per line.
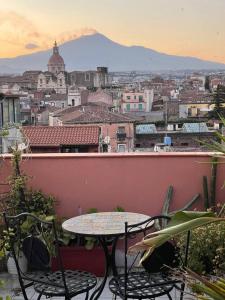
x,y
23,199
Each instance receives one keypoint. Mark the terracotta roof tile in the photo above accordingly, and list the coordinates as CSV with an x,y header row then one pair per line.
x,y
61,135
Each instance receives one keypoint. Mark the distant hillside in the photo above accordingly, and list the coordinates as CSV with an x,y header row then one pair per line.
x,y
90,51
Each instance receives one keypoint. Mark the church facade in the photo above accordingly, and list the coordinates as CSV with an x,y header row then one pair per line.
x,y
56,78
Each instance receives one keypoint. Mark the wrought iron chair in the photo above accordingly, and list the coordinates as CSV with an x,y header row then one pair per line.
x,y
153,280
35,237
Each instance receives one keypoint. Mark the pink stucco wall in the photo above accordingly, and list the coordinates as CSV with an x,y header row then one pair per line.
x,y
135,181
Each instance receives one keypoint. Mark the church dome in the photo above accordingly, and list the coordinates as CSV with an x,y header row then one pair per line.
x,y
56,62
55,59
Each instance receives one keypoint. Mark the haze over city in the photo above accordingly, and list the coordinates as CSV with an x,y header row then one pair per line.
x,y
179,27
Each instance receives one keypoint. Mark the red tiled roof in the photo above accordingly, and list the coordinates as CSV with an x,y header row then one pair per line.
x,y
61,135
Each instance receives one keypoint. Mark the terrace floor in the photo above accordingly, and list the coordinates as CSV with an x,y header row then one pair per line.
x,y
12,288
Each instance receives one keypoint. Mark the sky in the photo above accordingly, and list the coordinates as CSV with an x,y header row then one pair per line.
x,y
179,27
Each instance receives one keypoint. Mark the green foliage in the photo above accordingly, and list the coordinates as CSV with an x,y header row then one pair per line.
x,y
2,283
21,199
207,249
24,199
92,210
204,288
180,224
119,209
219,100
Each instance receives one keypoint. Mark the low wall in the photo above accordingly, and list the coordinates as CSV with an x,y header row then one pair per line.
x,y
135,181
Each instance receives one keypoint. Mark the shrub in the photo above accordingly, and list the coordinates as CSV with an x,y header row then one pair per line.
x,y
207,249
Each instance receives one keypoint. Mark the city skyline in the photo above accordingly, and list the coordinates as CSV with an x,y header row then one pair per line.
x,y
189,28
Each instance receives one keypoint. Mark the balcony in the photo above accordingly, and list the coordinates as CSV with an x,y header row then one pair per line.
x,y
121,136
138,182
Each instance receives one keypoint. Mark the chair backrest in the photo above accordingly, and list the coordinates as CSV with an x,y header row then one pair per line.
x,y
34,238
144,228
164,256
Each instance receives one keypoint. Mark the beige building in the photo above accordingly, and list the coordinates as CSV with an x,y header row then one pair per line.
x,y
137,101
56,77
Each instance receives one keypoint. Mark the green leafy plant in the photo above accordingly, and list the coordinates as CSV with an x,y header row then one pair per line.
x,y
22,199
180,223
119,209
204,288
2,283
207,247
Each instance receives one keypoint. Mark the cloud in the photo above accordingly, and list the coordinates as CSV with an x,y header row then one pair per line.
x,y
74,34
31,46
20,33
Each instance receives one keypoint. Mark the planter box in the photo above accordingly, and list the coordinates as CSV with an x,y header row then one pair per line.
x,y
79,258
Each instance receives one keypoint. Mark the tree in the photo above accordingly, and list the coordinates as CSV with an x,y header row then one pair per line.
x,y
219,101
207,85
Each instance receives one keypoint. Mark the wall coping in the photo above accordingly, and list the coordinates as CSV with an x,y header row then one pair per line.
x,y
114,155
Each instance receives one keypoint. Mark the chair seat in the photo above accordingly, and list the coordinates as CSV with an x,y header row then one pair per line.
x,y
142,285
77,282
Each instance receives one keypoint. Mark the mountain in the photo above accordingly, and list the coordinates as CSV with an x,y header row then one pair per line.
x,y
90,51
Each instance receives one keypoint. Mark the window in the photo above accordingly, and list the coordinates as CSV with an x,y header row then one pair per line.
x,y
128,97
41,81
121,148
121,129
87,76
140,98
73,102
140,107
60,82
128,107
134,97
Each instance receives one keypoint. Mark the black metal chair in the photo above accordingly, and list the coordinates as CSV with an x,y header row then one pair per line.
x,y
35,237
154,279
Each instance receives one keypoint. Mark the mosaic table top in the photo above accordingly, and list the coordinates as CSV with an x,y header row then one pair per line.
x,y
103,224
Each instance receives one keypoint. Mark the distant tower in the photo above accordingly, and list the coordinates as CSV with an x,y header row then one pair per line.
x,y
56,62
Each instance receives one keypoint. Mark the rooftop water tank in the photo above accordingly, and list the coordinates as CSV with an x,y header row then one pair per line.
x,y
167,140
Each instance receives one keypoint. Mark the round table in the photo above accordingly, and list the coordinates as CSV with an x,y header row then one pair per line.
x,y
105,225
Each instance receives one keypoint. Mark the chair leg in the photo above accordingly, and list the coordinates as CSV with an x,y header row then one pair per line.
x,y
40,295
169,296
87,295
182,291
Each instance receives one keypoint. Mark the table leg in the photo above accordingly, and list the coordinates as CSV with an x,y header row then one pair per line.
x,y
109,262
96,294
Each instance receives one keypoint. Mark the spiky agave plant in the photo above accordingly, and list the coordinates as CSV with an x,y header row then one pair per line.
x,y
180,223
204,288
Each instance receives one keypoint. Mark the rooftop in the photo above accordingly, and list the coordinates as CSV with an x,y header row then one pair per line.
x,y
56,136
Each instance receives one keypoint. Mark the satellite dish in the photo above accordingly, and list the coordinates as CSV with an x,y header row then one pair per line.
x,y
107,139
